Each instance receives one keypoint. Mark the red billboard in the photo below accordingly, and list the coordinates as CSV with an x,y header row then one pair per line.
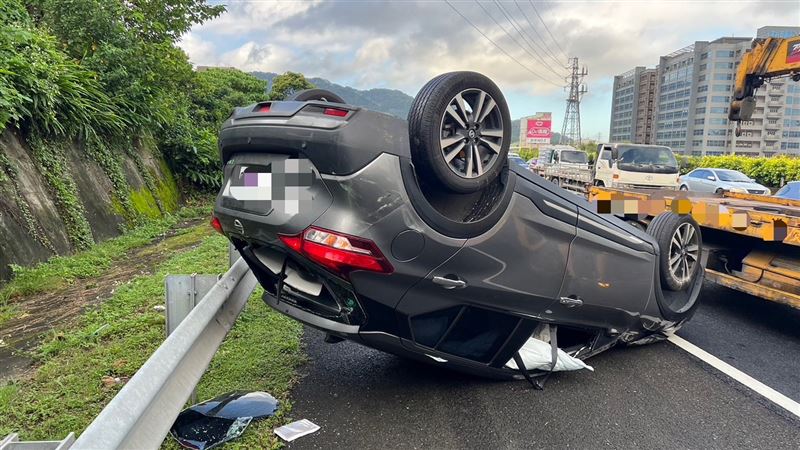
x,y
539,129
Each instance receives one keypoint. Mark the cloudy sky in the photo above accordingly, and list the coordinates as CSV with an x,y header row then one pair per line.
x,y
402,44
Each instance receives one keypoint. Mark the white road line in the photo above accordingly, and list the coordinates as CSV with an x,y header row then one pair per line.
x,y
757,386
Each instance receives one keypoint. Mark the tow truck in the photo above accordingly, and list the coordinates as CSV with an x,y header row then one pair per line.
x,y
754,241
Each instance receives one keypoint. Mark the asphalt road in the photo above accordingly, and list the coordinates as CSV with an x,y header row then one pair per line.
x,y
656,396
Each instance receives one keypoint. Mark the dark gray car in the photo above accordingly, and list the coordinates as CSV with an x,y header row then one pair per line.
x,y
419,238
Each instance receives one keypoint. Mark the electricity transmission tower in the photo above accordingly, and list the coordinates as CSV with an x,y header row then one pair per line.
x,y
571,131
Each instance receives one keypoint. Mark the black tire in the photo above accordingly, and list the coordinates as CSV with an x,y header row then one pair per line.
x,y
430,126
316,94
667,228
599,183
719,191
684,187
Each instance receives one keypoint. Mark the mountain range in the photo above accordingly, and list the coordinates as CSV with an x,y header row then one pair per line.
x,y
389,101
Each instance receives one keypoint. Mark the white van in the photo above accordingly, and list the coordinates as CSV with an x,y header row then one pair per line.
x,y
636,166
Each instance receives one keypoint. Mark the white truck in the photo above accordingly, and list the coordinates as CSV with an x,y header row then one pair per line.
x,y
636,166
618,165
565,166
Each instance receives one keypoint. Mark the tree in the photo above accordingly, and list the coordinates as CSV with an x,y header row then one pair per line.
x,y
217,91
287,84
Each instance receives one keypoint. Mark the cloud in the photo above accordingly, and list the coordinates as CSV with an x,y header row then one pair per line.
x,y
402,44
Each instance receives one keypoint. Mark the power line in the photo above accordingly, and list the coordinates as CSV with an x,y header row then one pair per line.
x,y
538,58
541,39
547,28
526,37
498,47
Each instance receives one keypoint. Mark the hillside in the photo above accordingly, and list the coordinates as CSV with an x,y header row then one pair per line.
x,y
390,101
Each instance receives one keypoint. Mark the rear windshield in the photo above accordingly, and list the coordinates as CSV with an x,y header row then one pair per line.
x,y
576,157
646,159
731,175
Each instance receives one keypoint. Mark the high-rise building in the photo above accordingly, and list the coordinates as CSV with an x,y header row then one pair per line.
x,y
632,106
646,107
692,98
675,82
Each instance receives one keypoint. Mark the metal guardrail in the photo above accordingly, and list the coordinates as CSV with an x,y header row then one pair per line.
x,y
143,411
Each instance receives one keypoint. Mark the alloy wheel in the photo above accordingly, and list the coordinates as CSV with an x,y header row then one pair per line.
x,y
471,133
683,253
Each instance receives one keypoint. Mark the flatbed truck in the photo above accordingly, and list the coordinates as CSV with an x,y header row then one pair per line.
x,y
753,241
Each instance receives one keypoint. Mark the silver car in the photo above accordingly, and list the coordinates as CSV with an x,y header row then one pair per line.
x,y
719,180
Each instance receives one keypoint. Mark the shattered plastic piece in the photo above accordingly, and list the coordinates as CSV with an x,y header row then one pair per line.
x,y
296,429
221,419
537,354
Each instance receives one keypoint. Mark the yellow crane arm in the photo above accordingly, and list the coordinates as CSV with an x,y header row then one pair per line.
x,y
769,58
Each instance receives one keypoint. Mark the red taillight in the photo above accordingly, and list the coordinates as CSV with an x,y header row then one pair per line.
x,y
215,223
338,252
263,108
293,242
335,112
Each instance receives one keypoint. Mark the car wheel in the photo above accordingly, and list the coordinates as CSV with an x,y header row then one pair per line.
x,y
316,94
680,244
684,187
719,191
599,183
460,131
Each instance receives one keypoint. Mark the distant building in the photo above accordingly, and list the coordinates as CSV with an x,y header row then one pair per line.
x,y
777,32
692,96
632,106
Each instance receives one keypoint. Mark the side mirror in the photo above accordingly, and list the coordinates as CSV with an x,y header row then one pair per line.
x,y
711,178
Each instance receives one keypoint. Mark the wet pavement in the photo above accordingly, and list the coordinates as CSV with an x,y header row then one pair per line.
x,y
655,396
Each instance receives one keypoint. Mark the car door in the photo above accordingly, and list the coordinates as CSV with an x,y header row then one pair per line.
x,y
514,270
609,277
701,181
603,167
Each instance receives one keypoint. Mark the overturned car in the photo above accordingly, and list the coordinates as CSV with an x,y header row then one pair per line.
x,y
418,238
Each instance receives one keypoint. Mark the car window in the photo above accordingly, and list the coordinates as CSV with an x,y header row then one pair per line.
x,y
605,155
783,191
574,157
647,155
731,175
700,174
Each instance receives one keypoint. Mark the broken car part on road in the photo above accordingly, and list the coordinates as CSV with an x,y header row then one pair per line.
x,y
221,419
418,238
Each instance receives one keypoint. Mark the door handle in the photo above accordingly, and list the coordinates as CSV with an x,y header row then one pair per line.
x,y
571,302
450,282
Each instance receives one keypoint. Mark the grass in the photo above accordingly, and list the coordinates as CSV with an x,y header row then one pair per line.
x,y
60,271
66,391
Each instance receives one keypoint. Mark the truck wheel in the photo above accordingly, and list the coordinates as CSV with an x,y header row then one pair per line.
x,y
460,131
680,244
316,94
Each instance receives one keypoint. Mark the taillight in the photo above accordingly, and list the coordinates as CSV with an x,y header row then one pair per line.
x,y
215,224
264,107
335,112
338,252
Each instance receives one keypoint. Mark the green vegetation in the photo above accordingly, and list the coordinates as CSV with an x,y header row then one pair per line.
x,y
50,158
286,84
113,340
769,171
60,271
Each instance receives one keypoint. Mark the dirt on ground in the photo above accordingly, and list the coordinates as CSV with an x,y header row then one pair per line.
x,y
45,311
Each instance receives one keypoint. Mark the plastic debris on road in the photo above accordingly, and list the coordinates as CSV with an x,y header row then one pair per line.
x,y
221,419
538,354
296,429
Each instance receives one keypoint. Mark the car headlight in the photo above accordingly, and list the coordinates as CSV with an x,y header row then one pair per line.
x,y
767,191
738,190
